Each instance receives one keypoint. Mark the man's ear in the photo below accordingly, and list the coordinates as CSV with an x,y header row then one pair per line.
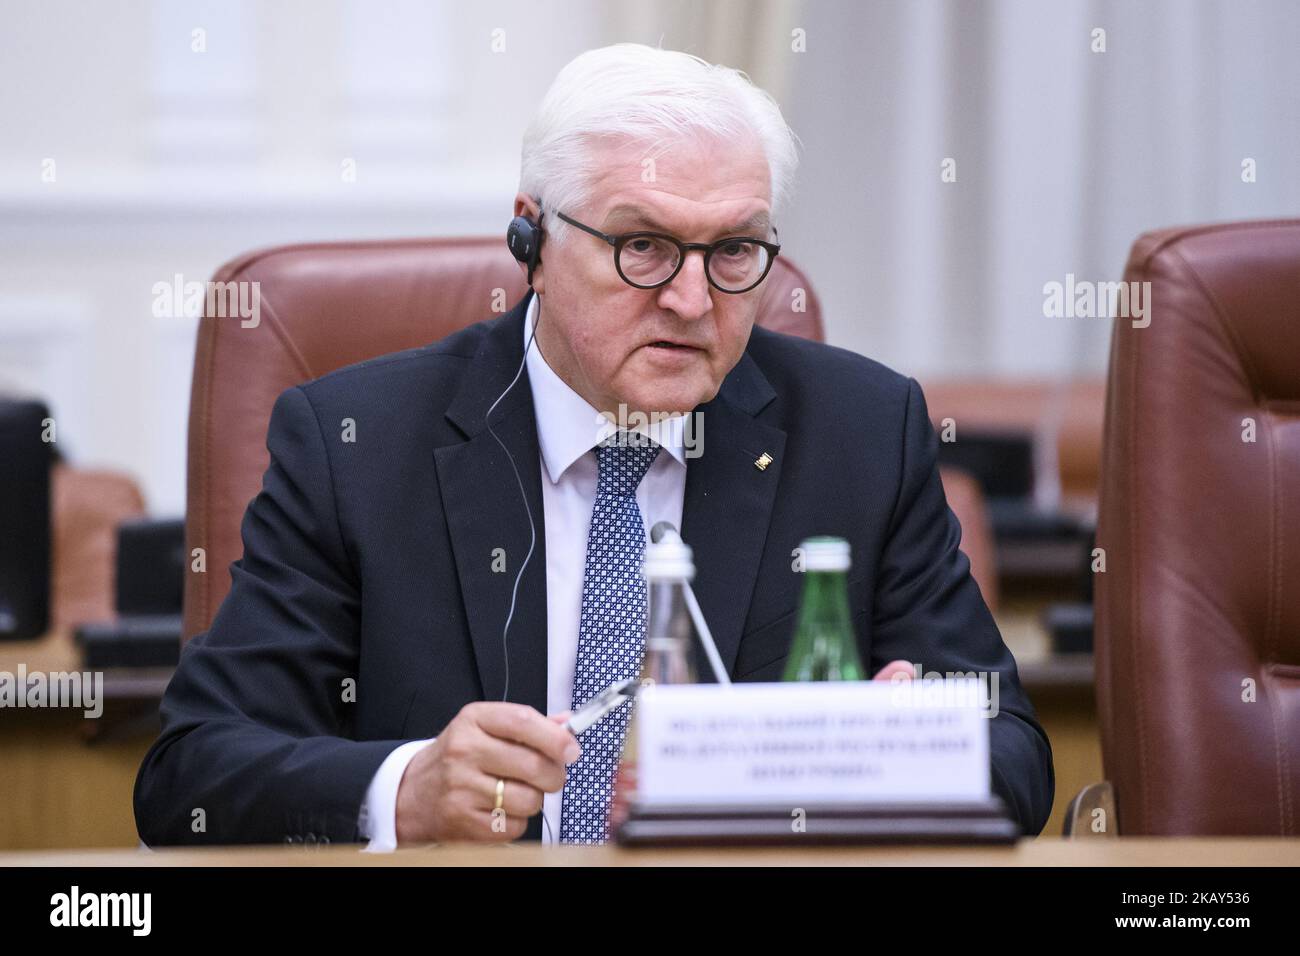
x,y
526,205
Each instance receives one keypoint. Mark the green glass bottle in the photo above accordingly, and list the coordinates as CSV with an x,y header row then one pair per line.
x,y
825,647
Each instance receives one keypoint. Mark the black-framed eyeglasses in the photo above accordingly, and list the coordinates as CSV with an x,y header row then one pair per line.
x,y
648,260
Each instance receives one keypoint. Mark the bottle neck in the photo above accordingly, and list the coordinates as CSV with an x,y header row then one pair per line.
x,y
826,592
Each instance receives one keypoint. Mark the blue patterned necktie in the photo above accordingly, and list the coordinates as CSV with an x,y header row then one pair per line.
x,y
611,631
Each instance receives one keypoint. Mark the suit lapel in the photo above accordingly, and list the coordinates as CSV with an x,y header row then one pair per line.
x,y
728,503
484,513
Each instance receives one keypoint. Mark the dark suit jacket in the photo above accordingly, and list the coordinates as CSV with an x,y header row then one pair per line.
x,y
371,562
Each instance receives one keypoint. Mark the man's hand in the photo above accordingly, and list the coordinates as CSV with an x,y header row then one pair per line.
x,y
900,669
448,791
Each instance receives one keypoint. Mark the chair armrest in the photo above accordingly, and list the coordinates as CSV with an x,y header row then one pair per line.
x,y
1091,814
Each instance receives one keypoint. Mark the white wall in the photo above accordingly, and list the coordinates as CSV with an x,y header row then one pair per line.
x,y
1064,157
172,161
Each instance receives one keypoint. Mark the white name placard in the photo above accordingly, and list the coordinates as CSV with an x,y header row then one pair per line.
x,y
807,742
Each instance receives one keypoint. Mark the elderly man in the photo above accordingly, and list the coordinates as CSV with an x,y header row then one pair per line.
x,y
374,675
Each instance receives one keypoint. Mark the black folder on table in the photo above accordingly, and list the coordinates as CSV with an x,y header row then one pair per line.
x,y
969,821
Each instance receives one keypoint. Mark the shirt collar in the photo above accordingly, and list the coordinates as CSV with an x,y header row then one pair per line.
x,y
567,425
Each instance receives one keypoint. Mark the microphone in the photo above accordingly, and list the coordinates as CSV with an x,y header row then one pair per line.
x,y
662,528
666,529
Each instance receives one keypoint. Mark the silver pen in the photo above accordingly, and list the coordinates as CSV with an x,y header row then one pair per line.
x,y
600,705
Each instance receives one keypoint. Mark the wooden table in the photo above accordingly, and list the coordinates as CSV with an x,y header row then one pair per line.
x,y
1188,851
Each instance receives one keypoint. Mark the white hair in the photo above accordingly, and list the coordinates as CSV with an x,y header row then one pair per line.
x,y
642,94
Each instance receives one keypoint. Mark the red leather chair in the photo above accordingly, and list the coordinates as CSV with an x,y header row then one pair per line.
x,y
1017,405
1198,611
966,499
87,506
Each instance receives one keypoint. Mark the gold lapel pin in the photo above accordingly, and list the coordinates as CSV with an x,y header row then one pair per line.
x,y
762,461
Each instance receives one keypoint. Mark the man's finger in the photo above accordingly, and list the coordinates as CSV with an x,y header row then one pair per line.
x,y
519,798
524,725
896,669
511,761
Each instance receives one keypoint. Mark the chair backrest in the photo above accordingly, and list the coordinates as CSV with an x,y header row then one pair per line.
x,y
87,507
324,306
1020,406
1198,610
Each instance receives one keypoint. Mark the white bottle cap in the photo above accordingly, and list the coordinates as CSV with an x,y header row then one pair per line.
x,y
825,554
669,559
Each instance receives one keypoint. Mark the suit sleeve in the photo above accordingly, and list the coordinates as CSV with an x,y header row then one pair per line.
x,y
929,610
255,743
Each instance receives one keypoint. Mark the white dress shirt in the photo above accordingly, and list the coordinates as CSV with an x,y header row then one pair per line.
x,y
568,428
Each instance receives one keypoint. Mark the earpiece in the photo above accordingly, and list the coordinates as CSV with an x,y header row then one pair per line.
x,y
532,528
524,238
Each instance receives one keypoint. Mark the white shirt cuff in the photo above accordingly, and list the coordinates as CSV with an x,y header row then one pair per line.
x,y
378,819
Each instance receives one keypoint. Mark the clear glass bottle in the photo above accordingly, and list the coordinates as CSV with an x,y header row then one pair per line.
x,y
670,644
